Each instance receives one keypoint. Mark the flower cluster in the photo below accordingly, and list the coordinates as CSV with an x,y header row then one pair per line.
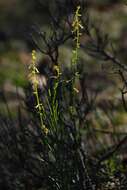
x,y
33,76
77,26
76,31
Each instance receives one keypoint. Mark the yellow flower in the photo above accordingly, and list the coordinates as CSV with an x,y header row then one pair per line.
x,y
76,90
45,129
33,55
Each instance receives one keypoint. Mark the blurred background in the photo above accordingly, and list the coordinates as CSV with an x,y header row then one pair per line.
x,y
17,17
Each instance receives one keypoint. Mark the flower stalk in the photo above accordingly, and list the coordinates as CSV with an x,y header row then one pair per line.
x,y
33,75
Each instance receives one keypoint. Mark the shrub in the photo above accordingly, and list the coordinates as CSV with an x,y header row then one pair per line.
x,y
47,148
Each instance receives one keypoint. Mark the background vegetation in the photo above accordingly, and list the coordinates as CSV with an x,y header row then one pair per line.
x,y
83,106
